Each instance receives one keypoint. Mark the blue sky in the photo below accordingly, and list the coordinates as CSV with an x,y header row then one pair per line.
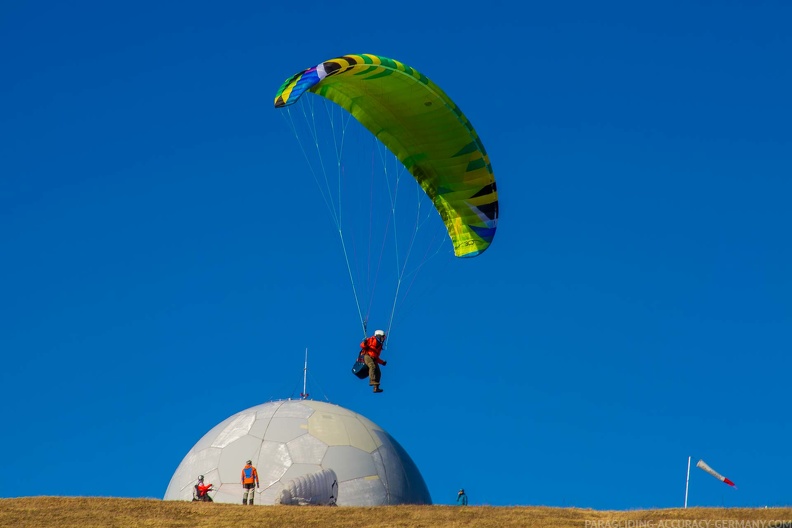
x,y
162,264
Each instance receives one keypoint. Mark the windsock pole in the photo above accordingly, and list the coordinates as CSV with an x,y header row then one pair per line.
x,y
687,482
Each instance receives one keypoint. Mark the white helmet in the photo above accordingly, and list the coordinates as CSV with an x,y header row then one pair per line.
x,y
379,333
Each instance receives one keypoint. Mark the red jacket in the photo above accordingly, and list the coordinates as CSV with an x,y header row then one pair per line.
x,y
203,488
373,347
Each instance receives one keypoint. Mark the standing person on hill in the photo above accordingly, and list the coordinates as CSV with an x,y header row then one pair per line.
x,y
462,497
250,481
371,348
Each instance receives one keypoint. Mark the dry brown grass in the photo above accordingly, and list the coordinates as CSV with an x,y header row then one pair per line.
x,y
95,512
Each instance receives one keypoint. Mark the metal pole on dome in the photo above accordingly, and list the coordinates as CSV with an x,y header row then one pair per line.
x,y
304,393
687,482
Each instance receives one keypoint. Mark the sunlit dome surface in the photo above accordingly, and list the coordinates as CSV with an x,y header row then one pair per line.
x,y
290,438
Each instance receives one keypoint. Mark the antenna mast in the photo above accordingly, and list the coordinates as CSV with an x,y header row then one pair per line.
x,y
304,393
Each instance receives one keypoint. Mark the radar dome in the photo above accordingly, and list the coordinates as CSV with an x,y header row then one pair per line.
x,y
292,438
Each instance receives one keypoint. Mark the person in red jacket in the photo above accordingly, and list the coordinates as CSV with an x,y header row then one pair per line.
x,y
250,481
371,348
201,491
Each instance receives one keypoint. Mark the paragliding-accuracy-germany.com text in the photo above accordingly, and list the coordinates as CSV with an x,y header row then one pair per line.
x,y
689,523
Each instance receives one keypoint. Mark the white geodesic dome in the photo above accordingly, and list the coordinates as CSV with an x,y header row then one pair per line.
x,y
291,438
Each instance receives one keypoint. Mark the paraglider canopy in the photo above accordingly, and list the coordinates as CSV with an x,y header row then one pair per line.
x,y
423,128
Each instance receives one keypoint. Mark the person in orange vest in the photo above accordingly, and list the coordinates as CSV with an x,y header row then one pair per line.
x,y
371,348
250,482
201,491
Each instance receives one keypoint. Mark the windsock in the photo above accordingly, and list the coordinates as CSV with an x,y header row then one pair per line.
x,y
703,465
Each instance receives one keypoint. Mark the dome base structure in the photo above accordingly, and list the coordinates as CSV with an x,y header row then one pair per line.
x,y
292,438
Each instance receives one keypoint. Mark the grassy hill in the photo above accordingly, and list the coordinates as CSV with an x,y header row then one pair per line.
x,y
96,512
